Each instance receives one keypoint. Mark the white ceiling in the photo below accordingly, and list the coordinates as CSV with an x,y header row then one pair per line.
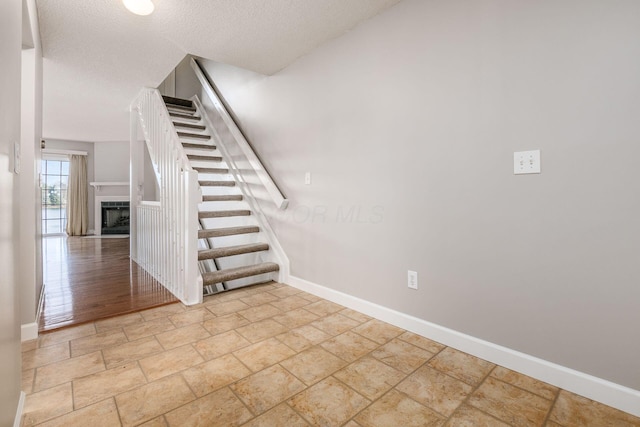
x,y
97,55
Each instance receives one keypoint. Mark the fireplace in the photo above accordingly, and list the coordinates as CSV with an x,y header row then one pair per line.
x,y
115,217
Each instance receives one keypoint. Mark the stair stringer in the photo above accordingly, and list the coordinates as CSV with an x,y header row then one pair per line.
x,y
276,252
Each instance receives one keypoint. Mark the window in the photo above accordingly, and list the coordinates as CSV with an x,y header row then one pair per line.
x,y
55,177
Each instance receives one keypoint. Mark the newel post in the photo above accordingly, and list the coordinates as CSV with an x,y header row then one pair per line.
x,y
192,277
135,175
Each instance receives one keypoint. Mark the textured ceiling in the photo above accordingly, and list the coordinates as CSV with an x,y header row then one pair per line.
x,y
97,55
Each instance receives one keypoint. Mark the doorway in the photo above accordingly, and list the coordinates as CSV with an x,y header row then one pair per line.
x,y
55,180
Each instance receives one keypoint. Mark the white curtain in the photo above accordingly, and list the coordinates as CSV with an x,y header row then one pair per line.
x,y
77,197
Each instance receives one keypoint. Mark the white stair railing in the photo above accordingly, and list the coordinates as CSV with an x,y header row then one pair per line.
x,y
167,231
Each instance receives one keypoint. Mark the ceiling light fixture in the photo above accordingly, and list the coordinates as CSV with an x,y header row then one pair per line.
x,y
139,7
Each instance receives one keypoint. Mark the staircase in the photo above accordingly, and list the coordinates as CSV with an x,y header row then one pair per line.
x,y
230,253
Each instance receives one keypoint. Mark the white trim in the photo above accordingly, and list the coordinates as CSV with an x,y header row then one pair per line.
x,y
64,152
99,185
41,302
624,398
29,331
18,419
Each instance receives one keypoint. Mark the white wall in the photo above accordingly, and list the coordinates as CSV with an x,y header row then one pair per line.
x,y
10,368
409,122
186,83
150,187
30,259
112,161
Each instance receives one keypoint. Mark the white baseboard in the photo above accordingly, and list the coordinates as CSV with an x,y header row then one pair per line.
x,y
624,398
18,419
29,331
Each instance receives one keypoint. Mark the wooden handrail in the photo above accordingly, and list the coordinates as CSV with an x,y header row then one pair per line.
x,y
261,172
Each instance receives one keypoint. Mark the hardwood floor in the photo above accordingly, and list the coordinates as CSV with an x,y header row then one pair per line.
x,y
87,279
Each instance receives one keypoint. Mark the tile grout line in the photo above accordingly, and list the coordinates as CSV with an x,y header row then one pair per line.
x,y
458,379
254,416
396,385
288,329
521,388
306,387
302,417
117,410
231,353
371,401
426,363
553,405
465,401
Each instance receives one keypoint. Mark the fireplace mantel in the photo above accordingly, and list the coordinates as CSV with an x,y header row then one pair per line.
x,y
99,184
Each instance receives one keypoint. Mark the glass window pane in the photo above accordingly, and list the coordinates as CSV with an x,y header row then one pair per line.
x,y
54,196
53,167
52,180
53,213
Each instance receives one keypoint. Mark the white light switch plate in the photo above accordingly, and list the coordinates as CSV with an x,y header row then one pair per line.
x,y
307,178
526,162
412,279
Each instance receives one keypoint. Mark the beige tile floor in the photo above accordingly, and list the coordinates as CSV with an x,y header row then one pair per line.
x,y
271,355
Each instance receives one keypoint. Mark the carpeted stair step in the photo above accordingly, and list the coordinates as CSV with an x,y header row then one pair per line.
x,y
193,135
177,101
222,198
214,277
197,157
222,214
184,116
189,126
217,183
199,146
227,231
181,108
211,170
232,250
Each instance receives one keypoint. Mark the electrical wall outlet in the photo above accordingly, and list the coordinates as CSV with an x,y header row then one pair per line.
x,y
412,279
